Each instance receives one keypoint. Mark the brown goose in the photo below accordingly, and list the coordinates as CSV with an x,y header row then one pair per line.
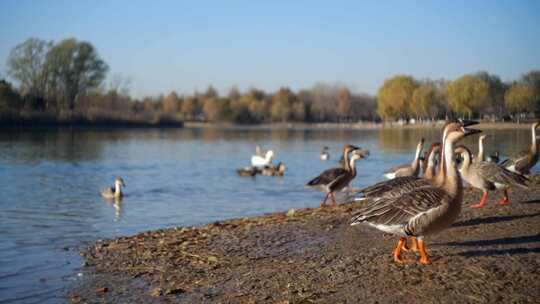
x,y
522,162
411,169
401,185
335,179
424,210
488,176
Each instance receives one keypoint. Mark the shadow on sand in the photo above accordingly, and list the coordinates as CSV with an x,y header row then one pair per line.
x,y
492,219
502,241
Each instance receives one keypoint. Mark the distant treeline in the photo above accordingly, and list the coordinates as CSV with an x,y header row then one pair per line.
x,y
64,83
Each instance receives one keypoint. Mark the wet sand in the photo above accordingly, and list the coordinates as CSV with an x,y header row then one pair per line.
x,y
314,256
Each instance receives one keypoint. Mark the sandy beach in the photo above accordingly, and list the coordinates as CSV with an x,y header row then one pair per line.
x,y
315,256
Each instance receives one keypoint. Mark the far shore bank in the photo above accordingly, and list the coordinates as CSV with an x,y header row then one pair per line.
x,y
357,125
225,125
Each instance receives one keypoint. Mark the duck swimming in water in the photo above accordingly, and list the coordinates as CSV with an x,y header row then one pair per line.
x,y
115,192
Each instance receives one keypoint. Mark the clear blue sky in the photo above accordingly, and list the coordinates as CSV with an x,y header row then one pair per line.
x,y
188,45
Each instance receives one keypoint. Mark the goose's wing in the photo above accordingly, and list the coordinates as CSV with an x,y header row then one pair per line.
x,y
327,177
390,211
496,174
394,187
397,168
518,161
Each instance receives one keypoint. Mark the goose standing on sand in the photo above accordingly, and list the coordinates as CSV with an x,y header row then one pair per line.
x,y
523,162
488,176
324,154
335,179
259,161
411,169
115,192
424,210
398,186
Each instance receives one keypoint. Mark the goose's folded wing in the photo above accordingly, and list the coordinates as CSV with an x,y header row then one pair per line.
x,y
394,187
327,177
496,174
515,159
399,210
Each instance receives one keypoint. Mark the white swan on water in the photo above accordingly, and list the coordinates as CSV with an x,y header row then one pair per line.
x,y
259,161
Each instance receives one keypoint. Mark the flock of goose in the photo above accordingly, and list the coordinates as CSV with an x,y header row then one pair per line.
x,y
407,205
412,207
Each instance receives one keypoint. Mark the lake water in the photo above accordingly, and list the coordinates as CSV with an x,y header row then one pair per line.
x,y
50,180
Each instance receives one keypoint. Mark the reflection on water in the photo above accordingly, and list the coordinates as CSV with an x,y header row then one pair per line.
x,y
116,204
51,178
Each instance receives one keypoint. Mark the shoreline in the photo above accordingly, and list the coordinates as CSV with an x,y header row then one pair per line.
x,y
25,124
358,126
314,256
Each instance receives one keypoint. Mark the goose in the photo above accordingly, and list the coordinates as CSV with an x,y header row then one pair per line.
x,y
411,169
425,210
324,154
335,179
488,176
403,184
259,161
278,170
115,192
522,162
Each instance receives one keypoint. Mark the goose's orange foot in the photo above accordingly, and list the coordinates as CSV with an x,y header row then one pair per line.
x,y
413,247
423,254
504,201
397,252
482,201
477,206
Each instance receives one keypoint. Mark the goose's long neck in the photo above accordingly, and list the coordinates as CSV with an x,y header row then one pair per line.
x,y
430,168
465,166
352,166
346,160
480,149
534,147
448,177
117,189
416,160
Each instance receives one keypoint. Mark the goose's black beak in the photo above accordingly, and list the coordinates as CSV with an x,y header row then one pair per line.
x,y
470,131
467,123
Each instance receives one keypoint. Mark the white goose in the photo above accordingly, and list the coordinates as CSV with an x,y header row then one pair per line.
x,y
259,161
